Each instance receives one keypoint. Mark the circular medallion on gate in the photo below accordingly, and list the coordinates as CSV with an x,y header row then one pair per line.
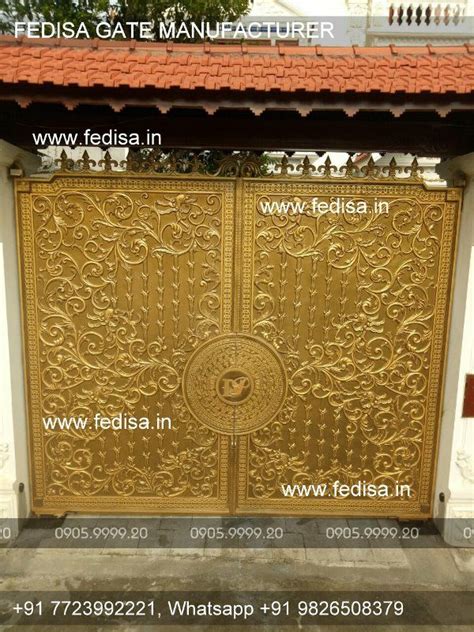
x,y
235,383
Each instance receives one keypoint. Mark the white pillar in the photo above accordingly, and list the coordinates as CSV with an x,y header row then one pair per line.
x,y
358,18
455,475
14,503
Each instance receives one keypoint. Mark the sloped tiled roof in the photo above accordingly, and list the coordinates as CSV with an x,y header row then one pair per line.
x,y
237,67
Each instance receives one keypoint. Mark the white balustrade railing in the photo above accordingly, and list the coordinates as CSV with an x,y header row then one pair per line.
x,y
420,14
397,20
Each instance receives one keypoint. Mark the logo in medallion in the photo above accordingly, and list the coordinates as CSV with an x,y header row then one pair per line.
x,y
234,386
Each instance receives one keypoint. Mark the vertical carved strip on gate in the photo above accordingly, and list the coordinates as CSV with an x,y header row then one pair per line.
x,y
357,307
123,277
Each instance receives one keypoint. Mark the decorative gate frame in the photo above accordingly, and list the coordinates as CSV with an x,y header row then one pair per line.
x,y
238,178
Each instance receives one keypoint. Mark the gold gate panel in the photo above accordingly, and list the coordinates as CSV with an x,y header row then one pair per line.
x,y
357,307
124,279
287,349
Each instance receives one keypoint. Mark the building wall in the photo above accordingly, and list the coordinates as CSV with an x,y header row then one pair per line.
x,y
370,20
455,475
14,475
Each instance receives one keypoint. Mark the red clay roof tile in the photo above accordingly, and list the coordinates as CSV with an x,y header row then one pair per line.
x,y
234,67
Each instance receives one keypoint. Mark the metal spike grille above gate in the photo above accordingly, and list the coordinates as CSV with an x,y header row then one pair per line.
x,y
286,349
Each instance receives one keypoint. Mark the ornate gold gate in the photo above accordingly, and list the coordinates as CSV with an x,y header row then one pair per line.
x,y
264,331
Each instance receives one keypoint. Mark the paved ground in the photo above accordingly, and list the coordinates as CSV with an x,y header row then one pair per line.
x,y
438,569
